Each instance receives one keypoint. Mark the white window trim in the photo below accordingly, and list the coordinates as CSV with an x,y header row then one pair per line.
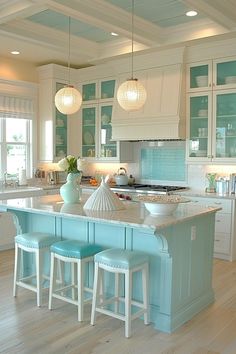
x,y
27,90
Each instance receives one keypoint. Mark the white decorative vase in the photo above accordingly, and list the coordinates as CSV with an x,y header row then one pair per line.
x,y
71,190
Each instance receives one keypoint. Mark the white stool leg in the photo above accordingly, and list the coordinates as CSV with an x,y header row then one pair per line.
x,y
128,295
117,284
39,273
73,273
16,268
145,293
52,280
95,292
80,275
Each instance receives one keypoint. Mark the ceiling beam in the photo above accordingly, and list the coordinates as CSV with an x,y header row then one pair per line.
x,y
49,37
221,11
15,9
116,19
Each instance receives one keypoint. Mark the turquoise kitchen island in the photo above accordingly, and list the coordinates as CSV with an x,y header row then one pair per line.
x,y
180,247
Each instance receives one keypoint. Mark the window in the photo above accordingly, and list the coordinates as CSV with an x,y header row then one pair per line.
x,y
17,127
16,145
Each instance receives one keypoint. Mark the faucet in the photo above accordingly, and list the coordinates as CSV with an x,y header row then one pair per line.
x,y
5,179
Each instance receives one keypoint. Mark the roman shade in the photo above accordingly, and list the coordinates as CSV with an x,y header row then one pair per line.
x,y
16,107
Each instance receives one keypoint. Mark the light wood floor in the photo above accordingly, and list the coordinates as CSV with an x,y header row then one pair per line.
x,y
24,328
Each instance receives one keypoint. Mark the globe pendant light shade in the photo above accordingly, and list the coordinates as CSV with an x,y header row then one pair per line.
x,y
131,95
68,100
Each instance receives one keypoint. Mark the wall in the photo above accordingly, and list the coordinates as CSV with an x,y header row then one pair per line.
x,y
14,69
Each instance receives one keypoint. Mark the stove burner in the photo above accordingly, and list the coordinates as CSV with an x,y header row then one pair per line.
x,y
151,188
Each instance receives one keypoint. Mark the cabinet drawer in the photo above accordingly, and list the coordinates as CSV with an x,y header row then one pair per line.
x,y
223,223
222,243
226,205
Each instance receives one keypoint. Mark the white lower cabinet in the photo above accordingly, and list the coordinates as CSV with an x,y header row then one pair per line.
x,y
224,245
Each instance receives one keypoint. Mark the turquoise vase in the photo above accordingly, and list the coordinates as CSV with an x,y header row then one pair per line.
x,y
71,190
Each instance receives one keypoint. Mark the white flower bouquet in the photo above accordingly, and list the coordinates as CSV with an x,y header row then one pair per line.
x,y
71,164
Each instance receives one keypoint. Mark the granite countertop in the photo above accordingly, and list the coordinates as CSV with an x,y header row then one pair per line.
x,y
134,215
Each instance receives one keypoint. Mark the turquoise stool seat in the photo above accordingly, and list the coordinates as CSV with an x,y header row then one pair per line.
x,y
75,249
79,254
126,262
35,240
37,243
121,258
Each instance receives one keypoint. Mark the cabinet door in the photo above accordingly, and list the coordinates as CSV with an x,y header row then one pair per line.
x,y
107,89
89,91
107,148
60,131
224,73
224,129
89,131
199,76
199,126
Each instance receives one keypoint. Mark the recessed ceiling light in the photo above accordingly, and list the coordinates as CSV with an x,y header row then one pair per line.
x,y
15,52
191,13
114,34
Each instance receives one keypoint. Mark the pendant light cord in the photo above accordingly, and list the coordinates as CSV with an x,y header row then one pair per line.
x,y
132,41
69,24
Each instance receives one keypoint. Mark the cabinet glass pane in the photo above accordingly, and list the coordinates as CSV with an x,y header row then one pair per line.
x,y
60,130
107,89
198,145
226,73
88,131
89,92
199,76
226,125
108,147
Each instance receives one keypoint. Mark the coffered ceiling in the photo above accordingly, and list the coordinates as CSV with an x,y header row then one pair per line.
x,y
39,28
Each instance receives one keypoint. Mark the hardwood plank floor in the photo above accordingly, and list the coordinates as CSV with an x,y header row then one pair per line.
x,y
24,328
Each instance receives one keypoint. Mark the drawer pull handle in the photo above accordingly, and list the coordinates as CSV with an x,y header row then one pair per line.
x,y
218,203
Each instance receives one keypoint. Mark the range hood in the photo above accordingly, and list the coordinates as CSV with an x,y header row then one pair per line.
x,y
163,115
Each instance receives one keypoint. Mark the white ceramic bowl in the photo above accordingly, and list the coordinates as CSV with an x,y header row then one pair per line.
x,y
161,204
161,208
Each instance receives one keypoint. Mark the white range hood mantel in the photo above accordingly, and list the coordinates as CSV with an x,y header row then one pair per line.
x,y
163,115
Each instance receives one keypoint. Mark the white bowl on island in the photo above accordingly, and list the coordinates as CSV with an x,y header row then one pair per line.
x,y
161,204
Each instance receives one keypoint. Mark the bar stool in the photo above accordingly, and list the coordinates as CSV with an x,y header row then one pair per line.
x,y
76,253
36,243
119,262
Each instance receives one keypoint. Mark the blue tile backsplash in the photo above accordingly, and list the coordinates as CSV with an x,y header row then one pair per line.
x,y
162,163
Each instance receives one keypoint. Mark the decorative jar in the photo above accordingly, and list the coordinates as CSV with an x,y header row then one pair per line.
x,y
71,190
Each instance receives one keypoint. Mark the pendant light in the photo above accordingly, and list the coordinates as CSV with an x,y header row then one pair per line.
x,y
131,95
68,100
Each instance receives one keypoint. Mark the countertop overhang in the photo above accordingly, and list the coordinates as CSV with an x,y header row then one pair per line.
x,y
133,215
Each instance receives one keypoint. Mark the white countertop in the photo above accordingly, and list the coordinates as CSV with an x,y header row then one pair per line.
x,y
134,214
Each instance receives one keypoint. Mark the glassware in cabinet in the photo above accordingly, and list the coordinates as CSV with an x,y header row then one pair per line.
x,y
108,148
60,130
225,72
198,126
89,131
225,132
198,76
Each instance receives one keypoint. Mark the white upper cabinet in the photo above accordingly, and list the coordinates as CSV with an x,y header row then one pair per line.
x,y
211,111
161,115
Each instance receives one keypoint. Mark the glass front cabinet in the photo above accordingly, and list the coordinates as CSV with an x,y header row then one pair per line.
x,y
96,114
211,111
60,131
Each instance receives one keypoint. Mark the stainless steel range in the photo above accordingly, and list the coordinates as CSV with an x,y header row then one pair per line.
x,y
149,189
